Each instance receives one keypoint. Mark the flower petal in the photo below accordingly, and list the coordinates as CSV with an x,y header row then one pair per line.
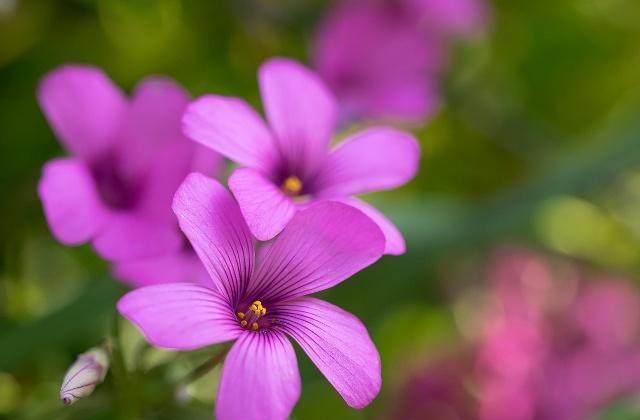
x,y
264,206
180,316
153,123
232,128
378,158
131,235
395,244
338,344
71,202
212,222
301,112
260,378
176,267
84,108
322,245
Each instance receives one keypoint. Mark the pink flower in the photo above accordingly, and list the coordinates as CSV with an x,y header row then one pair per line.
x,y
127,159
258,294
289,166
384,58
557,348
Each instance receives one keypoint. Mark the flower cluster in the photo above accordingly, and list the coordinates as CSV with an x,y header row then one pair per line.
x,y
216,265
555,343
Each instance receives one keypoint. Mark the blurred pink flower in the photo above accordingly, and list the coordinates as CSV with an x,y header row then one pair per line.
x,y
257,295
127,159
557,347
555,344
384,58
288,165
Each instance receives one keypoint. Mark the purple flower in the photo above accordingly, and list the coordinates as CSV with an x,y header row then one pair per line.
x,y
384,58
127,159
258,294
289,166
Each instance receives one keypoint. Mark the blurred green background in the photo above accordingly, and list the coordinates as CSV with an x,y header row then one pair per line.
x,y
537,143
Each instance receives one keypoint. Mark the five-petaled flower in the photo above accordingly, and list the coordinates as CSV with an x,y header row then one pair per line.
x,y
128,159
259,294
289,166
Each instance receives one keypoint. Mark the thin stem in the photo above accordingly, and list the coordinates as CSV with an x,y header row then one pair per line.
x,y
201,370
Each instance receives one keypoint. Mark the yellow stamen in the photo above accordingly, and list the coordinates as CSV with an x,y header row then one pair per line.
x,y
240,315
292,185
243,323
254,326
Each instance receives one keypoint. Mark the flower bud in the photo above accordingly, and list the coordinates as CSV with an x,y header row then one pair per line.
x,y
82,377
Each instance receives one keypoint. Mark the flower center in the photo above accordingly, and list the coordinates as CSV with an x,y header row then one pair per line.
x,y
251,317
292,185
114,188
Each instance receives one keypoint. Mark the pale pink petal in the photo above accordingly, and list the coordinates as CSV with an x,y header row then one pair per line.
x,y
321,246
232,128
152,124
337,343
211,220
395,244
70,200
260,378
84,108
180,316
379,158
301,112
130,235
465,18
181,266
264,206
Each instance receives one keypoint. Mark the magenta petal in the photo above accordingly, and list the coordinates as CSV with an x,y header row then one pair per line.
x,y
84,108
153,123
260,378
264,206
378,158
338,344
176,267
180,316
301,112
130,235
321,246
211,219
70,201
232,128
395,244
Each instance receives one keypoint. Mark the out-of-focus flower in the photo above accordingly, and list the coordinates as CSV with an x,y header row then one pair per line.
x,y
439,391
555,344
257,295
384,58
289,166
84,375
556,347
128,158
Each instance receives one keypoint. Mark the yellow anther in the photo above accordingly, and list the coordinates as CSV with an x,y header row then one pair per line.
x,y
263,311
243,323
254,326
292,185
253,308
240,315
257,302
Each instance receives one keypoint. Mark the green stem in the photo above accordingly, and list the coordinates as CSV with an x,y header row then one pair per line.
x,y
201,370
